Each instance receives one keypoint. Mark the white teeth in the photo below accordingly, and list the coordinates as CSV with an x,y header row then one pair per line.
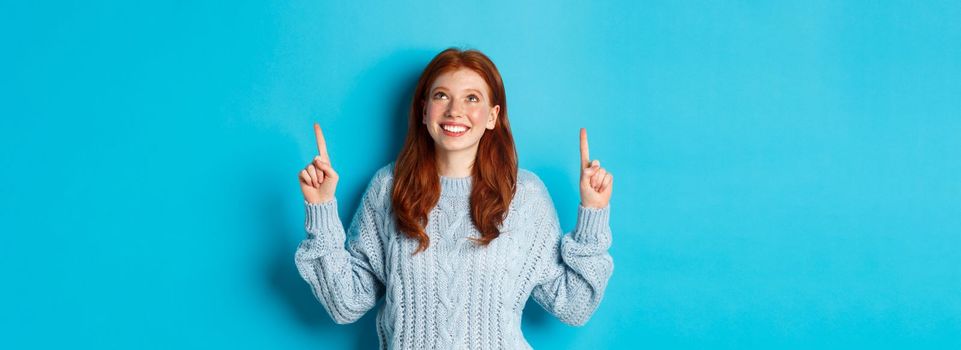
x,y
454,128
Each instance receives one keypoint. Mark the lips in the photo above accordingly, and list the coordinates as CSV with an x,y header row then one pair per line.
x,y
454,129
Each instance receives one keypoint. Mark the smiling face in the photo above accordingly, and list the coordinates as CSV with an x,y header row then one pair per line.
x,y
457,111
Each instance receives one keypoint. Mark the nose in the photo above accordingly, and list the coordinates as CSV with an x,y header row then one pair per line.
x,y
455,109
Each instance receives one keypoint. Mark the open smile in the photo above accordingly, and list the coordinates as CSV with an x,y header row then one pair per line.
x,y
454,129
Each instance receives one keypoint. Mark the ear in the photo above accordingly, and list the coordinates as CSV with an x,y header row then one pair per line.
x,y
492,119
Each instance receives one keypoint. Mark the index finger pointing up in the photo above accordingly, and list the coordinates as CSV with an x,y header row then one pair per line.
x,y
585,153
321,143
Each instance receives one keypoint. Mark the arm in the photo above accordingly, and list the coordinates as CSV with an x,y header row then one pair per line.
x,y
347,281
578,265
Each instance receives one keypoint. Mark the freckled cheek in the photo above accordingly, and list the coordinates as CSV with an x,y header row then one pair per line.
x,y
477,115
435,112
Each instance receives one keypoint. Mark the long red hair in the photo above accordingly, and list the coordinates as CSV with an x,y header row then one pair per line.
x,y
494,174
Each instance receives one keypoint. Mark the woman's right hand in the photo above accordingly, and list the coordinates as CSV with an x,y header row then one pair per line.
x,y
318,181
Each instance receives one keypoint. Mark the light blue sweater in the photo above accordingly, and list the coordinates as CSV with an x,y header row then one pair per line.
x,y
456,294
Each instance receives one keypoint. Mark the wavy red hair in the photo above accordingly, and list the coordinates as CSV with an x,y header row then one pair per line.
x,y
494,174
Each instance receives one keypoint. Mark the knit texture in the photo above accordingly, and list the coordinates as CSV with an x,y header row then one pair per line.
x,y
456,294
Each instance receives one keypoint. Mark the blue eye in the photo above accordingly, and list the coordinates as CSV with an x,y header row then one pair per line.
x,y
472,98
440,95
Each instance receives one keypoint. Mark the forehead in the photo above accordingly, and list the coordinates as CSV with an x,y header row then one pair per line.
x,y
460,79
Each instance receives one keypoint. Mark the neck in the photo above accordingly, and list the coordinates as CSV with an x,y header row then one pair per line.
x,y
455,163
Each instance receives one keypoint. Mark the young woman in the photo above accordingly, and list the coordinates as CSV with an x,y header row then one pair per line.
x,y
452,234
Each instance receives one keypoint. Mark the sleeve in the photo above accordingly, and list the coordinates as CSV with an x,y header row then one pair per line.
x,y
347,281
578,264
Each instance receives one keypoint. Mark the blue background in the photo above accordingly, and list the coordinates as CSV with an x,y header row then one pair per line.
x,y
788,173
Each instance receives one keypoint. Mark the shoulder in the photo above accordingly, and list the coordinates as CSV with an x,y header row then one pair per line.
x,y
380,185
533,208
529,182
384,174
531,190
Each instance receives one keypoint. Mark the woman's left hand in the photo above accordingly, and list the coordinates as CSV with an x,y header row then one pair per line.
x,y
596,182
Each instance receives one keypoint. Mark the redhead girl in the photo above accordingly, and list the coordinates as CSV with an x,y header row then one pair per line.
x,y
453,235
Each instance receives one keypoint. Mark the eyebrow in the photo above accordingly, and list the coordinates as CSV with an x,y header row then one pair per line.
x,y
470,89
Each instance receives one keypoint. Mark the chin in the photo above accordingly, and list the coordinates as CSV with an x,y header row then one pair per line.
x,y
451,148
454,147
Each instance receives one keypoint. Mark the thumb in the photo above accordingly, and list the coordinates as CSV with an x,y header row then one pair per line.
x,y
328,170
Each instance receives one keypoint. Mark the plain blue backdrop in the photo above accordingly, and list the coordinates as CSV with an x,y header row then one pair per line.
x,y
788,173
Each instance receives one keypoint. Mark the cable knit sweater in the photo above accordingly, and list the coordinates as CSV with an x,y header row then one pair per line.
x,y
456,294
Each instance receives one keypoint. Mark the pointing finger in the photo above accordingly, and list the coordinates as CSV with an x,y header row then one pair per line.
x,y
321,143
585,156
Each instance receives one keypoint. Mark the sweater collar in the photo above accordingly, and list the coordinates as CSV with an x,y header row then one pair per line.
x,y
455,186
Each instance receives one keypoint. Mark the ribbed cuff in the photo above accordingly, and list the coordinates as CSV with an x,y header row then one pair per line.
x,y
321,219
593,225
